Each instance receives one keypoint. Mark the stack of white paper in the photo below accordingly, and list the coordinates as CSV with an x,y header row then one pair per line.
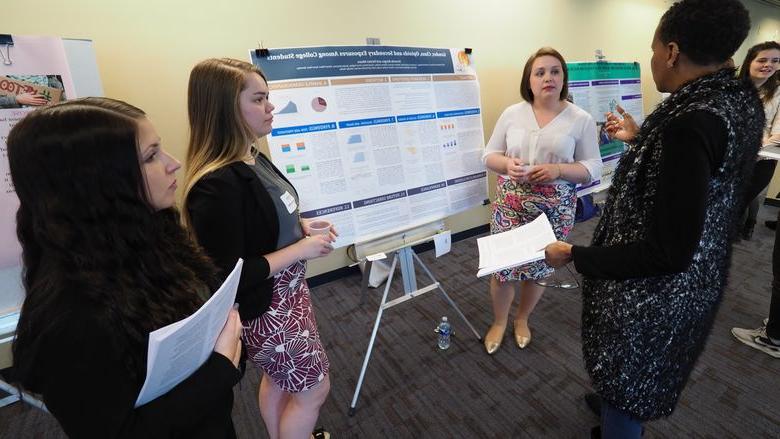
x,y
176,351
515,247
770,152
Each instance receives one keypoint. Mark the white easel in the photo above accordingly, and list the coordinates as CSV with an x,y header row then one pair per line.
x,y
406,256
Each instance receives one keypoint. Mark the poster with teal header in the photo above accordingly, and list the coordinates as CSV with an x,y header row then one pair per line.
x,y
598,88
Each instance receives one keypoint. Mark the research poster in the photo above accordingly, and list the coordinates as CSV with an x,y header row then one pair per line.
x,y
33,72
599,87
376,139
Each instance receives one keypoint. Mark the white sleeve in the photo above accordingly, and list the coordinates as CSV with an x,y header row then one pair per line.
x,y
586,148
497,142
774,124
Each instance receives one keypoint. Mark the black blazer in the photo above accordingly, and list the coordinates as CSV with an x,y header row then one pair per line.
x,y
233,217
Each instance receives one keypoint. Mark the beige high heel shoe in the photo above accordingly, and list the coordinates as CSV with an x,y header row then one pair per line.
x,y
522,338
491,346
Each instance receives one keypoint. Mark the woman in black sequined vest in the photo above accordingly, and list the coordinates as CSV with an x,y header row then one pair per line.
x,y
658,262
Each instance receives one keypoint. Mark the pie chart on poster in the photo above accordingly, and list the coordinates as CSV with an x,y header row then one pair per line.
x,y
319,104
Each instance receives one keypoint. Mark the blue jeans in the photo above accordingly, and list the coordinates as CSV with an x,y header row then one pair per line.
x,y
618,425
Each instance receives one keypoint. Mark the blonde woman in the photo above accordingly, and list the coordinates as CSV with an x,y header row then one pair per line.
x,y
238,205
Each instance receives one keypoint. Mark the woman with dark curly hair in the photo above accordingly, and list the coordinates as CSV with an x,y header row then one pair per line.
x,y
658,263
106,262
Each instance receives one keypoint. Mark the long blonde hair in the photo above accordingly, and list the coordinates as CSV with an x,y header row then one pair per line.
x,y
219,135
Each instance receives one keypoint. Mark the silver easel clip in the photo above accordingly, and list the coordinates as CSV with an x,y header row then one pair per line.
x,y
6,41
373,41
600,57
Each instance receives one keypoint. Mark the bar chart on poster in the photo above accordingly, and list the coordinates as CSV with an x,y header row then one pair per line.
x,y
34,71
376,139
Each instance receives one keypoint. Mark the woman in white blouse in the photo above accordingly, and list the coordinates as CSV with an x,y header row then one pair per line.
x,y
759,67
540,149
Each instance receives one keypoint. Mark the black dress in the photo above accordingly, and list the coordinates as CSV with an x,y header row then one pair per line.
x,y
85,383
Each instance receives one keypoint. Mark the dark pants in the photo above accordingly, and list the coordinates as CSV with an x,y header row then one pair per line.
x,y
759,180
773,326
618,425
762,174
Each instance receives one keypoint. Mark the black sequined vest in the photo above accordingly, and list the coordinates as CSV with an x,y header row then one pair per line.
x,y
641,337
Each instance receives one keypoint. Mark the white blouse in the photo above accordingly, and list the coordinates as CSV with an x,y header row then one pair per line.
x,y
772,125
570,137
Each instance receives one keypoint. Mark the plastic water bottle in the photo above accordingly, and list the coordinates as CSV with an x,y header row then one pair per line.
x,y
444,330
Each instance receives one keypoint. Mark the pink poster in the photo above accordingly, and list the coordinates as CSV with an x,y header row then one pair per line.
x,y
33,72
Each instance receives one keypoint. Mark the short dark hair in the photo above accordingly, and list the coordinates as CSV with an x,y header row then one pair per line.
x,y
767,89
525,82
707,31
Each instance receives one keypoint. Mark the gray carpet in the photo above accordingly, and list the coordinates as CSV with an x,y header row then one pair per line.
x,y
414,390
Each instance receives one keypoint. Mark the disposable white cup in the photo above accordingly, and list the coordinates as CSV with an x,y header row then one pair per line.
x,y
319,227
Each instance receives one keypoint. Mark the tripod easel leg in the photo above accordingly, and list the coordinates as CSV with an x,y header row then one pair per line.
x,y
446,296
373,337
406,256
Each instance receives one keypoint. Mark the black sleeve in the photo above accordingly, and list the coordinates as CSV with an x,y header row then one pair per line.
x,y
693,148
89,391
216,210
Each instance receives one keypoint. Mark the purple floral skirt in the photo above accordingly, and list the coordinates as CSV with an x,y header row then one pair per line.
x,y
518,203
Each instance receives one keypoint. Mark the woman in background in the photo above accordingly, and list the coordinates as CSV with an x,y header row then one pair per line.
x,y
238,205
540,149
759,68
106,262
761,64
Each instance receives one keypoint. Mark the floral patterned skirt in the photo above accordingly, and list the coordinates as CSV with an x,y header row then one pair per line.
x,y
284,341
519,203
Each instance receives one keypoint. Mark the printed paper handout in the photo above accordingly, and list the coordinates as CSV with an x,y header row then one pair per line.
x,y
515,247
179,349
770,152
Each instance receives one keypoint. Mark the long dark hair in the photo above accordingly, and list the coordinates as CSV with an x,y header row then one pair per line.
x,y
90,237
768,88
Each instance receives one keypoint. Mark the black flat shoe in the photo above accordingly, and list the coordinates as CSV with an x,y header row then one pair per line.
x,y
772,224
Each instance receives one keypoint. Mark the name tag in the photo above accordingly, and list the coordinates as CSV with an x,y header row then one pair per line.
x,y
289,202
